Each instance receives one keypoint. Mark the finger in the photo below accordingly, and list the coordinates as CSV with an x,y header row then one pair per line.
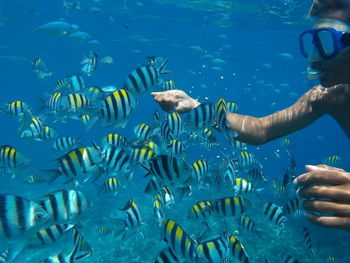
x,y
330,221
324,192
327,207
319,175
327,167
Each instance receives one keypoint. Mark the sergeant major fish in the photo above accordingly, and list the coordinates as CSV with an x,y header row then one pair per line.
x,y
65,206
117,107
179,241
143,79
89,63
174,171
131,218
20,218
12,161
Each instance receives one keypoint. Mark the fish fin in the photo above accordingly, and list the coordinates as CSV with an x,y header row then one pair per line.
x,y
146,168
14,249
123,230
91,123
161,67
40,105
4,254
54,173
96,146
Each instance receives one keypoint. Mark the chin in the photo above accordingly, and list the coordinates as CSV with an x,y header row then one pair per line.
x,y
327,83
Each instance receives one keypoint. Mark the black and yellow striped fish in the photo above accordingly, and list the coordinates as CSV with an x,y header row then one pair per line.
x,y
275,214
201,117
200,169
34,179
4,256
141,80
247,224
245,160
48,133
78,162
201,210
237,250
220,113
16,108
20,217
94,93
293,207
117,160
152,187
89,63
11,160
65,143
65,206
169,170
231,107
112,184
104,230
333,160
64,256
131,218
179,241
331,259
30,127
54,104
168,85
142,155
117,107
215,250
230,206
142,131
167,256
158,208
84,248
165,132
75,101
70,84
242,186
114,139
176,147
175,123
307,239
47,236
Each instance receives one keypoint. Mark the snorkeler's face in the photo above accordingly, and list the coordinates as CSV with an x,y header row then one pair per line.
x,y
334,70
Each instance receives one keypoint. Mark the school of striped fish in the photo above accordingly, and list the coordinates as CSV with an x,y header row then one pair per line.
x,y
140,194
155,158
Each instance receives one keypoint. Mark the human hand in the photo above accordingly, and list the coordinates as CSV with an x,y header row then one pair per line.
x,y
176,100
329,188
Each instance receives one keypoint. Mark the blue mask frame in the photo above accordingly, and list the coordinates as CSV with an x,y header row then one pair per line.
x,y
341,40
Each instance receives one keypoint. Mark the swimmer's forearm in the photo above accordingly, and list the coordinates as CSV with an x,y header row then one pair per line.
x,y
258,131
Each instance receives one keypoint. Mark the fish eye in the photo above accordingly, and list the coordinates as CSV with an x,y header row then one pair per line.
x,y
39,216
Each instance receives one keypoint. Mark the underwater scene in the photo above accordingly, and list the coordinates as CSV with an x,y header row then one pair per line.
x,y
92,169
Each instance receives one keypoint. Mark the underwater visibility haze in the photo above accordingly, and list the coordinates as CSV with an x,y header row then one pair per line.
x,y
92,169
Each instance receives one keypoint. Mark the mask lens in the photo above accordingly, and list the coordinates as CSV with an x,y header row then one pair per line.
x,y
307,41
327,42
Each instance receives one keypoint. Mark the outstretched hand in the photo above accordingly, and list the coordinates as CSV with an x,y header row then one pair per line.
x,y
329,190
176,100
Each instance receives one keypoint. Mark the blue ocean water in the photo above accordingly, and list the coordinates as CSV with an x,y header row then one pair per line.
x,y
262,72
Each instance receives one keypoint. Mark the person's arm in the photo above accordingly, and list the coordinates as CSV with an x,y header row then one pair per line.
x,y
258,131
312,105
